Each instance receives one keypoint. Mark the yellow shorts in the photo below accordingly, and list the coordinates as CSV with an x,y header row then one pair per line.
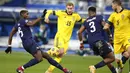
x,y
60,43
121,46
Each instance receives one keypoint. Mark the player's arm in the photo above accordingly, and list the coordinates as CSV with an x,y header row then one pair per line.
x,y
108,23
14,30
107,29
32,23
80,33
79,19
49,12
80,36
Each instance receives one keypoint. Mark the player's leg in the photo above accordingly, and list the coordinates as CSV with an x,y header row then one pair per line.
x,y
125,57
37,58
126,54
58,52
119,63
56,58
118,49
111,67
106,53
54,63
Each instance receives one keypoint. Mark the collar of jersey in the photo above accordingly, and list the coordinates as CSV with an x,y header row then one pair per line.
x,y
67,13
121,10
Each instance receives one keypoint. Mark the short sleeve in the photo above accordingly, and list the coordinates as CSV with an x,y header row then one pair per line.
x,y
102,19
57,12
25,22
16,26
84,24
129,14
110,19
78,18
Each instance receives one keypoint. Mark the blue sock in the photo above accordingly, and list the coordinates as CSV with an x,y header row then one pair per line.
x,y
124,59
54,63
100,64
113,69
31,63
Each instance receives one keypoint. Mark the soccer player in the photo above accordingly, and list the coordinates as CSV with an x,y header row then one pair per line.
x,y
94,25
66,21
23,28
120,19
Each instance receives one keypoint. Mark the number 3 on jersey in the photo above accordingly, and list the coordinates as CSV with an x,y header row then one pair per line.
x,y
92,26
20,32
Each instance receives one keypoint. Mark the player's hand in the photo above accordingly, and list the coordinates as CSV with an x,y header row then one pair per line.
x,y
44,13
81,46
47,20
8,50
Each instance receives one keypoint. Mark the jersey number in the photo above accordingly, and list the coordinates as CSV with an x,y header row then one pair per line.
x,y
92,26
20,31
68,23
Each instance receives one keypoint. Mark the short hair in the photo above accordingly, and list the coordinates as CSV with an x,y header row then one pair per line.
x,y
93,9
22,12
117,2
69,4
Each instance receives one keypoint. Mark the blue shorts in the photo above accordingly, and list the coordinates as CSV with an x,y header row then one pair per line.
x,y
101,48
30,46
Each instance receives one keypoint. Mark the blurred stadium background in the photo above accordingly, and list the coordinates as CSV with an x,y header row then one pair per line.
x,y
9,15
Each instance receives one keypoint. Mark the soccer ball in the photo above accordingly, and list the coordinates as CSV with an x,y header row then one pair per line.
x,y
54,51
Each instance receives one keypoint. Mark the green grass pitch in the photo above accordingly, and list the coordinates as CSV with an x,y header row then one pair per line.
x,y
78,64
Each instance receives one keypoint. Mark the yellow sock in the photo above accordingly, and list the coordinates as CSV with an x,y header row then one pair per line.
x,y
51,67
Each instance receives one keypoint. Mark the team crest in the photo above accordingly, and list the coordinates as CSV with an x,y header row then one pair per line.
x,y
122,16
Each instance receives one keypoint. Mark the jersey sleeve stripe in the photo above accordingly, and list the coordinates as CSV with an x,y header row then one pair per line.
x,y
80,20
109,22
54,13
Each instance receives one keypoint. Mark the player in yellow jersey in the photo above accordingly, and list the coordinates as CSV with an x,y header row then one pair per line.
x,y
120,19
66,21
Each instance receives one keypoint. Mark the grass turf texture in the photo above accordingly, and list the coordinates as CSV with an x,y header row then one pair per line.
x,y
78,64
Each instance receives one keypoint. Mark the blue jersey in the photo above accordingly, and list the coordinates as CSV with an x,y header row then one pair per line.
x,y
23,30
94,28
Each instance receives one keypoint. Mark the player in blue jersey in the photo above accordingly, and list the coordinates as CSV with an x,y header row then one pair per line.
x,y
23,28
94,25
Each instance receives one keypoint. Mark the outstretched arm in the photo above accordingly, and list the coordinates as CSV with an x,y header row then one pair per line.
x,y
32,23
49,12
10,41
11,35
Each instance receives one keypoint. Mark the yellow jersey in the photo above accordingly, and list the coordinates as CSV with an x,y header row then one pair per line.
x,y
65,22
121,23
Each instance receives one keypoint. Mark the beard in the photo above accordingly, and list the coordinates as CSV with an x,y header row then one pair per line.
x,y
115,10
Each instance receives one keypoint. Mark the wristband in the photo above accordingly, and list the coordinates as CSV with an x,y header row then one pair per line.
x,y
9,45
81,42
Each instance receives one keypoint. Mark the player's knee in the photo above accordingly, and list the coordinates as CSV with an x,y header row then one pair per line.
x,y
38,56
117,60
39,59
113,59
